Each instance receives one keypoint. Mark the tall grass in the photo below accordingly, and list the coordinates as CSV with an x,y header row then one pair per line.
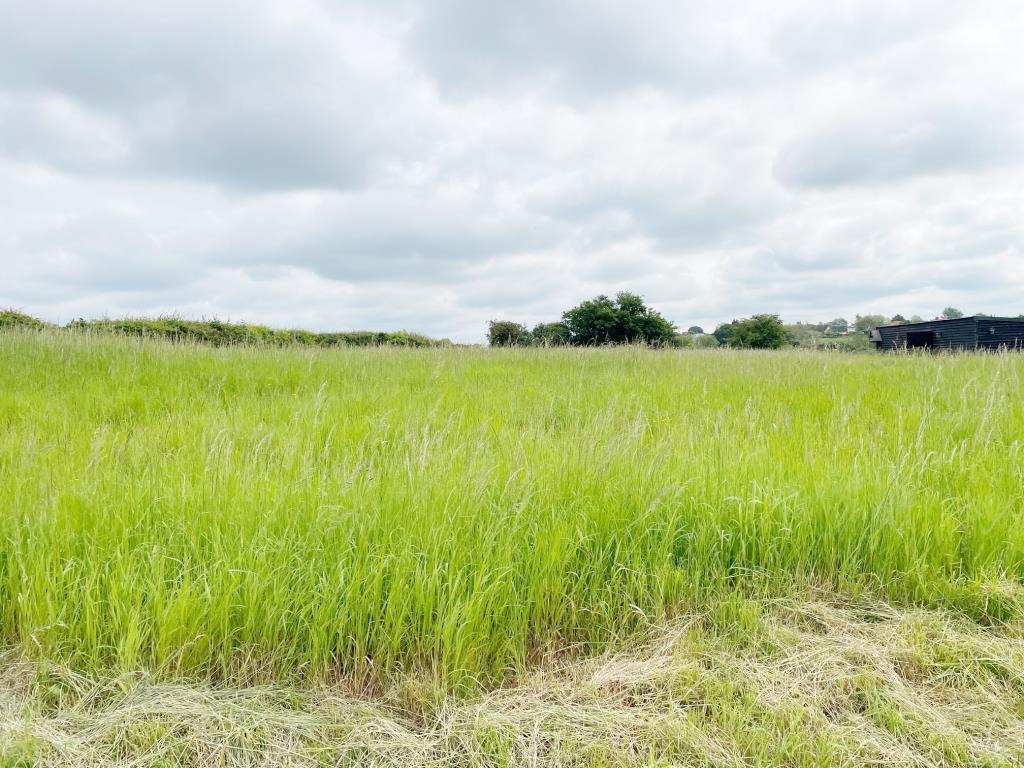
x,y
251,513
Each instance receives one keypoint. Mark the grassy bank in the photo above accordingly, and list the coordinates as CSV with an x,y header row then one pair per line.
x,y
453,516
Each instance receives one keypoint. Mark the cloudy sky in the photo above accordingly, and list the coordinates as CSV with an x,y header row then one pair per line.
x,y
434,164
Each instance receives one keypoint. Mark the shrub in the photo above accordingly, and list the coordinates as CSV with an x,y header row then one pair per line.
x,y
551,334
10,318
505,333
758,332
220,334
723,332
705,341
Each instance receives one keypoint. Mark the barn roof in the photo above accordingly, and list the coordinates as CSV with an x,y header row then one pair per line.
x,y
949,320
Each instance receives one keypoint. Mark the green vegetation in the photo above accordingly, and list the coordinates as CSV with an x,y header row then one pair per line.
x,y
215,510
222,334
757,332
551,334
626,319
800,684
418,526
622,320
10,318
596,322
505,333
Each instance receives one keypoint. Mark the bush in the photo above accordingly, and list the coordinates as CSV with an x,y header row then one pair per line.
x,y
704,341
723,332
10,318
854,342
757,332
221,334
505,333
551,334
622,320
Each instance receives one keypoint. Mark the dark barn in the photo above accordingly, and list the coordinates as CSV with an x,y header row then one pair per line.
x,y
962,333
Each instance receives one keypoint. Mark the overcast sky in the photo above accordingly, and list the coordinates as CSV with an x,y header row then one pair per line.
x,y
432,165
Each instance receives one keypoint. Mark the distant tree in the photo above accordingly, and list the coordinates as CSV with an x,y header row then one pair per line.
x,y
704,341
551,334
695,330
759,332
867,322
724,331
897,319
836,327
982,314
916,319
804,334
505,333
622,320
952,313
593,322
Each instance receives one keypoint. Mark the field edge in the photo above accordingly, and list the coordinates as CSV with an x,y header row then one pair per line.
x,y
815,680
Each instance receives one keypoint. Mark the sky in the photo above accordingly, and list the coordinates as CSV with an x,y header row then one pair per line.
x,y
434,164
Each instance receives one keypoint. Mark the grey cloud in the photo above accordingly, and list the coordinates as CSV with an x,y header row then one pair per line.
x,y
824,35
431,165
247,95
69,136
861,151
673,219
579,48
397,235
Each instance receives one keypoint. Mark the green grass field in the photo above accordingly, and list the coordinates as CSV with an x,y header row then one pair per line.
x,y
447,533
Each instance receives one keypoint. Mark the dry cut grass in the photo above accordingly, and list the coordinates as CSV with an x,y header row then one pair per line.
x,y
818,681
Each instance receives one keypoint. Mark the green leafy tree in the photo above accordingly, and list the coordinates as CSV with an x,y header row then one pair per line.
x,y
804,334
622,320
952,313
759,332
724,331
836,327
551,334
695,330
505,333
867,322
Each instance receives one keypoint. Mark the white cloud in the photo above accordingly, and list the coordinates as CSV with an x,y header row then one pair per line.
x,y
431,165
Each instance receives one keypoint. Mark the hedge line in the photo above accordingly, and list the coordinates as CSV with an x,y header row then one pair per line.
x,y
221,334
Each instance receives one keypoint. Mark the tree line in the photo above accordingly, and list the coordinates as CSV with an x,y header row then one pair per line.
x,y
626,319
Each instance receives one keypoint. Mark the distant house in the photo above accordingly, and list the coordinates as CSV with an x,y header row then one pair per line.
x,y
977,332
